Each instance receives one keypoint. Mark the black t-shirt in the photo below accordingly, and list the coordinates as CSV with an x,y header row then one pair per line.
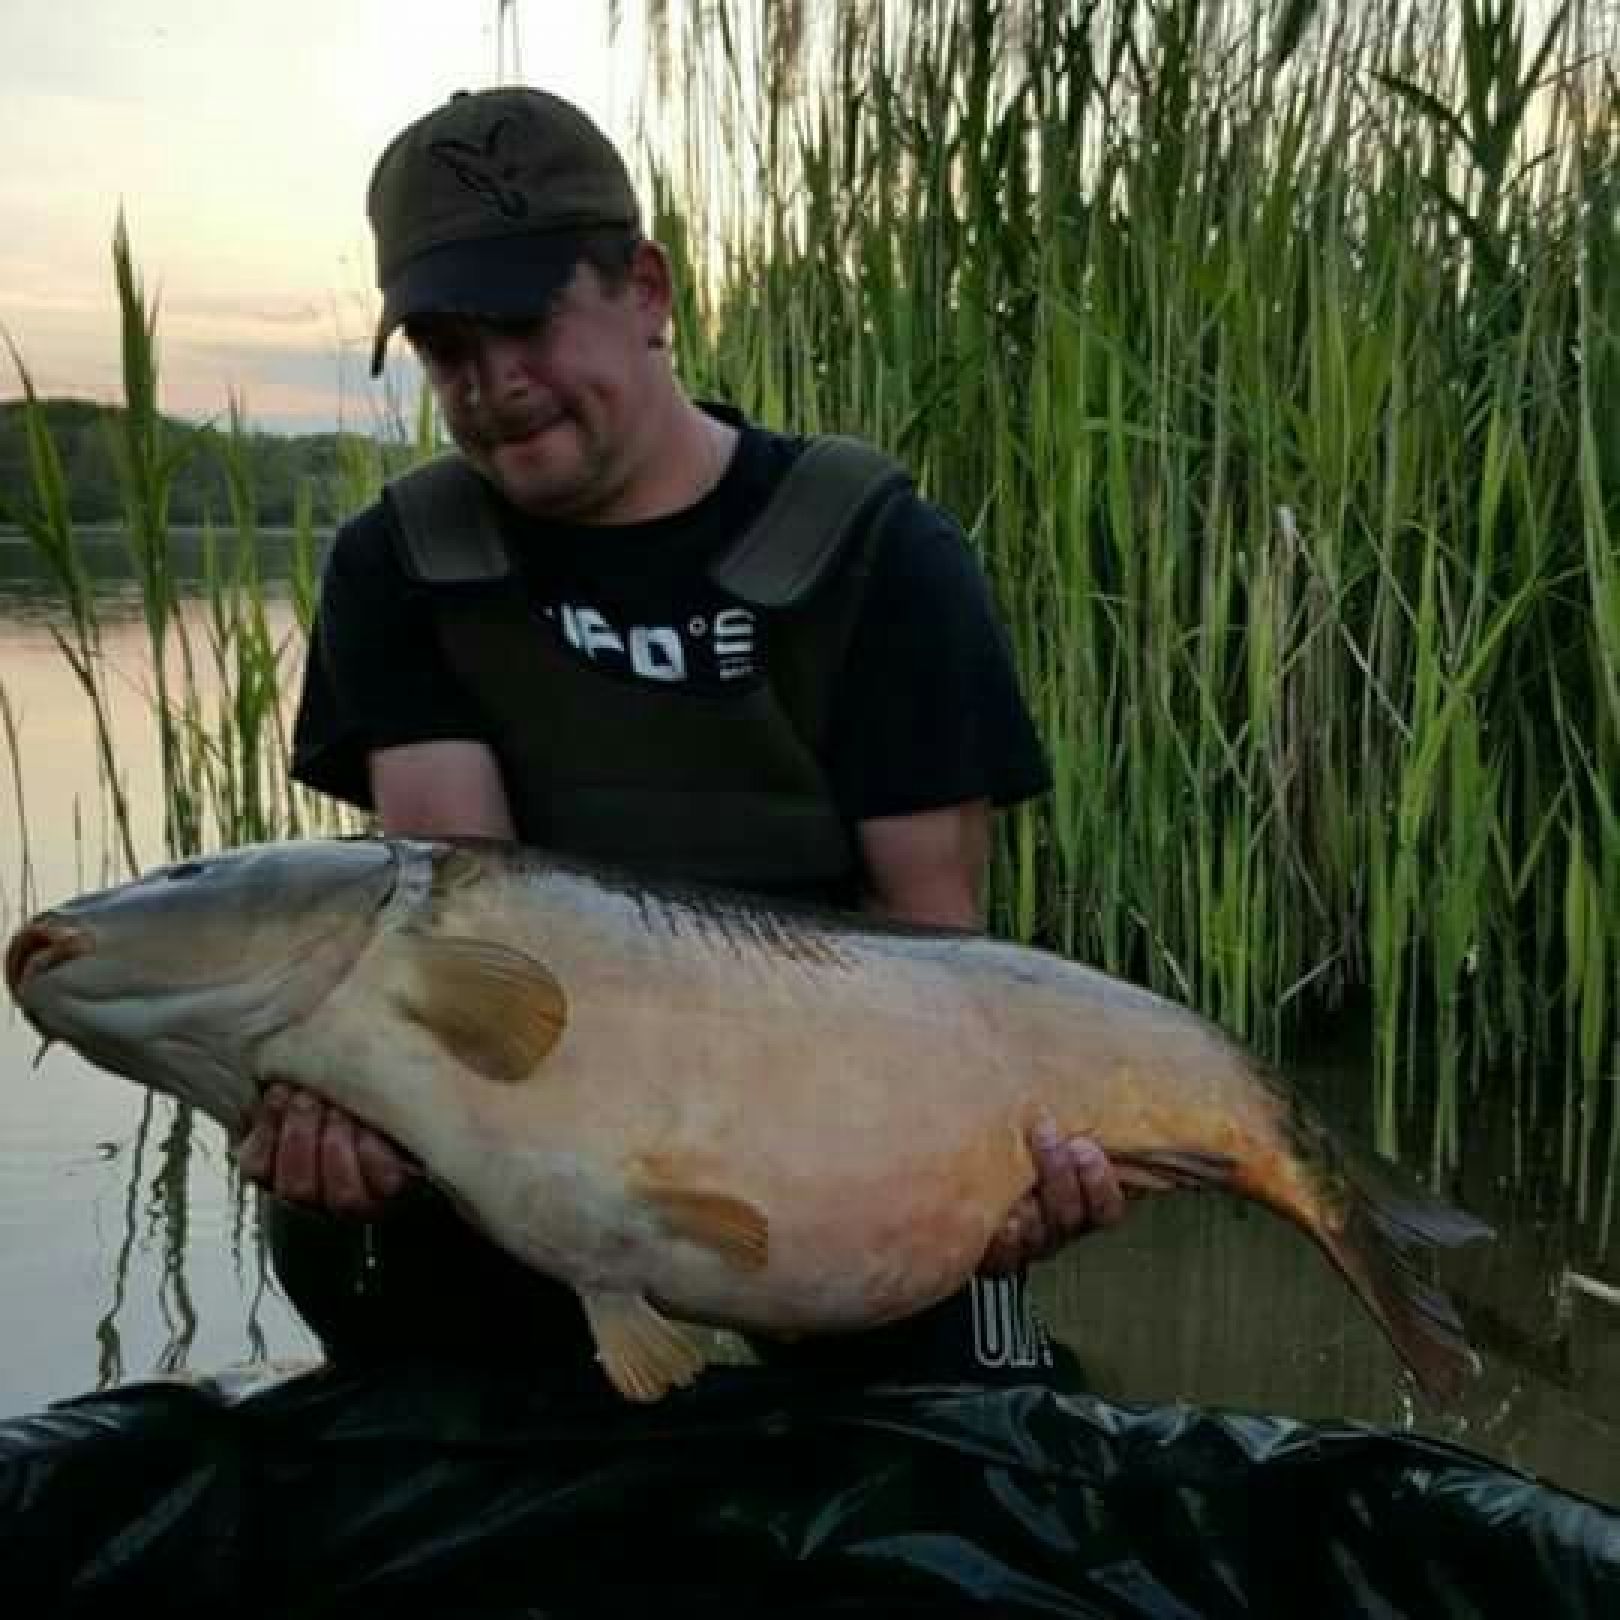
x,y
926,713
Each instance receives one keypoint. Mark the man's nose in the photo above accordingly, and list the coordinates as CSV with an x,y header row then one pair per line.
x,y
504,363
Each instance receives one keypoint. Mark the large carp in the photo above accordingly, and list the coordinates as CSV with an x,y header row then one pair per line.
x,y
690,1105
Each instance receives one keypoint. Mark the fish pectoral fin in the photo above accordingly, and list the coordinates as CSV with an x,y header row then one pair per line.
x,y
732,1227
493,1008
644,1354
1169,1169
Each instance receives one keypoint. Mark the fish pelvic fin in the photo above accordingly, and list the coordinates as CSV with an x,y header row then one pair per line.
x,y
494,1009
731,1227
1389,1232
644,1354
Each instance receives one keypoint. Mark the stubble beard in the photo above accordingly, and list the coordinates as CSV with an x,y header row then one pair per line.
x,y
542,479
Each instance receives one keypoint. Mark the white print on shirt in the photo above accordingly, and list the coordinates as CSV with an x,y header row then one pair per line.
x,y
662,652
1006,1330
588,632
657,654
734,642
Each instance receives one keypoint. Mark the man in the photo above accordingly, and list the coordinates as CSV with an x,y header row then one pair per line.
x,y
559,636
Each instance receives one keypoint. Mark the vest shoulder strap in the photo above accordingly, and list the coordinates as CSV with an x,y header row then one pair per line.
x,y
448,531
828,495
450,534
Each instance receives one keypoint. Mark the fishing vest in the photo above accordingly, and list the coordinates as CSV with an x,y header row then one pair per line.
x,y
727,787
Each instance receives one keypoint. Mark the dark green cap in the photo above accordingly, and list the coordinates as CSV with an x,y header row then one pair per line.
x,y
480,207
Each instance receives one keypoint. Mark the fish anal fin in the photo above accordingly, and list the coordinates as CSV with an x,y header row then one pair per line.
x,y
495,1009
731,1227
644,1354
1170,1169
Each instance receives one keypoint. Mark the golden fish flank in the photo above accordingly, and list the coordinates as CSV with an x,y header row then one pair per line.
x,y
765,1119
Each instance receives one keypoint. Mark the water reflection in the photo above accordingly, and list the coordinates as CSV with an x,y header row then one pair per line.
x,y
164,1230
110,1363
29,595
149,1258
145,1259
169,1207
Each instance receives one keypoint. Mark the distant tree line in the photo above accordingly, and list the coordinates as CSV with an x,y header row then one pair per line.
x,y
277,467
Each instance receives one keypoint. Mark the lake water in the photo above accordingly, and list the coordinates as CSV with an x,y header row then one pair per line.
x,y
127,1247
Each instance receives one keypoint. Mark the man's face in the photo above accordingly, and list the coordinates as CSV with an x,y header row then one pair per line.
x,y
547,408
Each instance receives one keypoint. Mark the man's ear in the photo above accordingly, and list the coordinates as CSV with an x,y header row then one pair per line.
x,y
652,288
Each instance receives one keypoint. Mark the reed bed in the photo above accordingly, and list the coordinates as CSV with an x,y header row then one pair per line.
x,y
1271,357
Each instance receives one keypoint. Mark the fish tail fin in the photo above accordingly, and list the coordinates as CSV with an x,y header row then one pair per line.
x,y
1391,1227
1377,1225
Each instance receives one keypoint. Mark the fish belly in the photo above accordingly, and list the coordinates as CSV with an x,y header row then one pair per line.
x,y
876,1198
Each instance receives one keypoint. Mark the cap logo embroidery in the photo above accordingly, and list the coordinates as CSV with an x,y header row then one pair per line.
x,y
483,171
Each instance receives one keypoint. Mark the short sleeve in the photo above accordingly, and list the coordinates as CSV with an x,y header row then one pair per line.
x,y
928,711
375,675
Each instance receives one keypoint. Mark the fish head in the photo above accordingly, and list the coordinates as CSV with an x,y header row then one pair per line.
x,y
175,978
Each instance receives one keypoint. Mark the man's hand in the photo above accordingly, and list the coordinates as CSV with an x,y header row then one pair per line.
x,y
304,1150
1077,1192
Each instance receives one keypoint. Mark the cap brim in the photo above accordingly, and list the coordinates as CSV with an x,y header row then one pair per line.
x,y
501,277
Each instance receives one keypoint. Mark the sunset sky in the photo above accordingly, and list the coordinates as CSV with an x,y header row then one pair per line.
x,y
238,137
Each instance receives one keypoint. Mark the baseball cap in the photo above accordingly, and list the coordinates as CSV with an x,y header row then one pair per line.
x,y
480,207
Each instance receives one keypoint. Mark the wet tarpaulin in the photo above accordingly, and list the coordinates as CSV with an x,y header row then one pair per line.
x,y
417,1489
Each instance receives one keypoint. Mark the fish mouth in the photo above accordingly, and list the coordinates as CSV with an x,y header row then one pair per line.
x,y
39,946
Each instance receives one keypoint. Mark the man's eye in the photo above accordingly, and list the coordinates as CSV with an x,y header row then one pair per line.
x,y
436,346
449,346
442,353
515,326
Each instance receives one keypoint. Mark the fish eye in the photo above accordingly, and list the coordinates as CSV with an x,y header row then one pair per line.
x,y
186,869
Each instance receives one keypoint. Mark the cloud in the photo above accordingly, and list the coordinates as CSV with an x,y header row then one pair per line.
x,y
237,140
286,387
252,312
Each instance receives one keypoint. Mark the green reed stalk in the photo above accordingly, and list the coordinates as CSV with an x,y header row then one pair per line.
x,y
146,461
19,799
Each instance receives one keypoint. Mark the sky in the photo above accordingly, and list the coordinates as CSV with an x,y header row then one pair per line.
x,y
238,138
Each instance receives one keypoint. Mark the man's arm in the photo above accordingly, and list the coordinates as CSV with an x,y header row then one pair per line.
x,y
440,789
298,1146
930,868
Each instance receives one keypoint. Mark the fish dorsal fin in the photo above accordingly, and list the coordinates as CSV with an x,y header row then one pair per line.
x,y
493,1008
732,1227
644,1354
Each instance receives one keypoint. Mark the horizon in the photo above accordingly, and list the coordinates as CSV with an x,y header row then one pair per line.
x,y
247,227
219,419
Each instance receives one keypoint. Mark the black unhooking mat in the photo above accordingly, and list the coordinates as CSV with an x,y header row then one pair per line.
x,y
421,1490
